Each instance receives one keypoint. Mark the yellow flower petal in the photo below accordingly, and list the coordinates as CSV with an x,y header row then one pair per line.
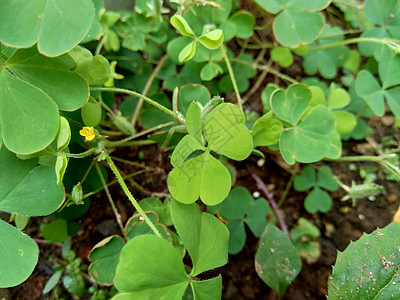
x,y
88,133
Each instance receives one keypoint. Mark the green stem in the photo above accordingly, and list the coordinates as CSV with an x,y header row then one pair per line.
x,y
287,189
228,65
270,70
392,43
130,196
117,143
381,160
79,155
130,144
116,181
100,44
133,93
113,207
147,88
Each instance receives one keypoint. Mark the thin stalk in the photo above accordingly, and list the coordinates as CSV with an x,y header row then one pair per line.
x,y
272,203
287,189
133,93
389,42
128,162
130,196
132,143
270,70
116,143
115,181
113,207
147,88
87,172
100,44
259,81
228,65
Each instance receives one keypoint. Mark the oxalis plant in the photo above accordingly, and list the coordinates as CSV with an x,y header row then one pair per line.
x,y
63,63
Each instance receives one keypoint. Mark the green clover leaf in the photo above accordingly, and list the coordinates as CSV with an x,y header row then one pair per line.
x,y
24,23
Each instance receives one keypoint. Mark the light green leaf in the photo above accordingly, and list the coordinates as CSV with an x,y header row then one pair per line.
x,y
187,145
277,262
282,55
194,122
61,167
345,122
226,133
204,236
212,39
266,131
104,257
18,256
26,189
266,96
182,26
295,26
210,289
310,140
338,98
369,267
141,275
292,104
197,177
64,134
25,22
188,52
318,200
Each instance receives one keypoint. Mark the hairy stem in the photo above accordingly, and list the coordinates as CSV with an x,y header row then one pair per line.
x,y
133,93
130,196
391,43
232,76
113,207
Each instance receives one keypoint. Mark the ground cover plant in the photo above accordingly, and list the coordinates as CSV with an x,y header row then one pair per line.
x,y
179,107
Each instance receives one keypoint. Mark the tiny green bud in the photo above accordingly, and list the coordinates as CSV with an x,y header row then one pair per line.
x,y
77,194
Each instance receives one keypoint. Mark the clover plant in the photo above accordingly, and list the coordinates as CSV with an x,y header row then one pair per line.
x,y
238,209
317,199
205,82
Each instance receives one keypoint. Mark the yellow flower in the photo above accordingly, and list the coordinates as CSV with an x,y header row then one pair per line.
x,y
88,133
